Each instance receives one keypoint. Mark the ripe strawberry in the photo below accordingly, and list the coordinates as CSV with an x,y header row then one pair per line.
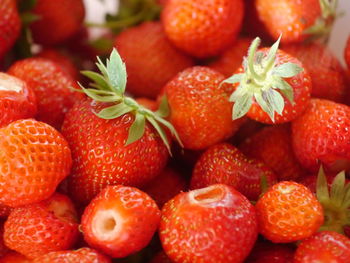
x,y
273,146
295,206
266,252
82,255
202,28
10,25
347,52
57,20
17,100
120,221
321,135
14,257
212,224
4,211
150,58
37,229
200,110
270,81
225,164
34,158
324,68
148,103
3,248
161,257
325,246
231,59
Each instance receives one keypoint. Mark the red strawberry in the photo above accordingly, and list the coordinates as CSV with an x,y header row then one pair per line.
x,y
325,246
321,135
148,103
52,87
14,257
347,52
324,68
310,181
4,211
212,224
17,100
266,252
200,110
202,28
10,25
82,255
273,146
34,159
151,60
225,164
120,221
57,20
270,81
3,248
161,257
288,212
40,228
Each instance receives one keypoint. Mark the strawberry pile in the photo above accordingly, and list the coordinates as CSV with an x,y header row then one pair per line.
x,y
198,131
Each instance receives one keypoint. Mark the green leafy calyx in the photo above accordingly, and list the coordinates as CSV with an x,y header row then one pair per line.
x,y
109,87
262,81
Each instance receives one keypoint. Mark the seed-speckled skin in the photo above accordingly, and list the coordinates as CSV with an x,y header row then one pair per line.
x,y
324,68
273,146
4,211
200,108
322,135
325,246
34,159
151,60
137,220
58,20
82,255
288,212
347,52
37,229
202,28
100,157
223,230
289,18
17,100
225,164
52,87
10,25
266,252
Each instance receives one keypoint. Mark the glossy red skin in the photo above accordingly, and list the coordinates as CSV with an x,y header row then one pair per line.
x,y
321,135
200,110
15,105
225,229
14,257
265,252
347,53
64,16
301,85
161,257
82,255
225,164
37,229
273,146
202,28
148,103
34,159
10,25
325,246
151,60
324,68
52,87
100,157
138,219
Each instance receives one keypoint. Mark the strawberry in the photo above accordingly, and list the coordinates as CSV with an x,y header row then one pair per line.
x,y
151,60
270,81
225,164
200,110
56,21
321,135
292,204
324,68
82,255
52,87
3,248
4,211
231,59
120,220
148,103
37,229
202,28
266,252
161,257
34,158
10,25
347,52
14,257
17,100
246,130
212,224
325,246
273,146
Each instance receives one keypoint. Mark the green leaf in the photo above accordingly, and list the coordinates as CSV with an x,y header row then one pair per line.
x,y
287,70
264,105
284,87
171,129
160,131
97,78
337,189
163,110
275,99
102,44
102,67
273,51
95,95
137,129
116,71
233,79
242,106
114,111
27,18
322,192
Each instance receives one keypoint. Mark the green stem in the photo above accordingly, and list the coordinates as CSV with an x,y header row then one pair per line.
x,y
251,58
